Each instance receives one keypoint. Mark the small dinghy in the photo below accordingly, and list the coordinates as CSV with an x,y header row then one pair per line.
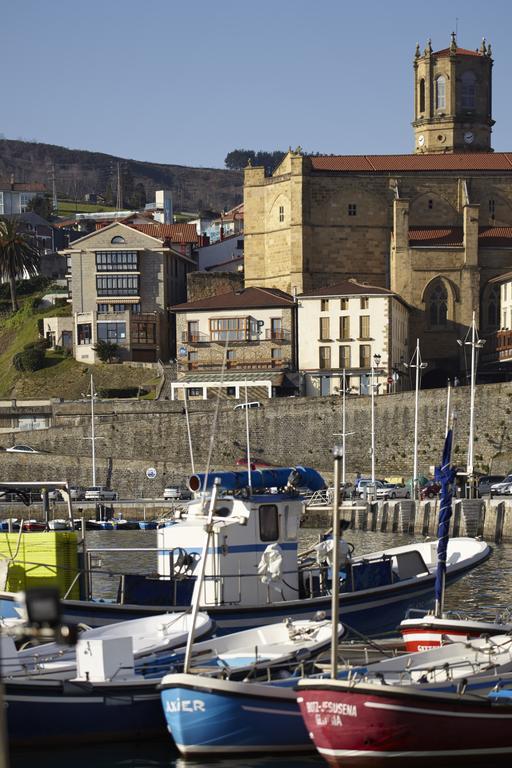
x,y
151,637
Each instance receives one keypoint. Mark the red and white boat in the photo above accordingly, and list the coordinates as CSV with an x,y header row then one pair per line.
x,y
428,631
369,724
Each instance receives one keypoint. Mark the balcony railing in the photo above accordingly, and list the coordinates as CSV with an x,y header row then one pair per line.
x,y
235,365
195,338
504,344
277,334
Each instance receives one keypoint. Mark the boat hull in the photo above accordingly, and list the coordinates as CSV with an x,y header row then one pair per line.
x,y
430,632
223,717
45,713
375,725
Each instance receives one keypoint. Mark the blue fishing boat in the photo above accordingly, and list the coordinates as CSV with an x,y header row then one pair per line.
x,y
253,571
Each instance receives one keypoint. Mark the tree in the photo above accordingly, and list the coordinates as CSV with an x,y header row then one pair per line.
x,y
138,199
106,350
19,257
42,205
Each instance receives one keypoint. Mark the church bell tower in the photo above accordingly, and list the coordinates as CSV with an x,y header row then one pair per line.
x,y
452,99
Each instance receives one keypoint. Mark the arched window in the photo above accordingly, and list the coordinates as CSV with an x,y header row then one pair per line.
x,y
492,314
422,95
118,240
437,305
468,90
441,92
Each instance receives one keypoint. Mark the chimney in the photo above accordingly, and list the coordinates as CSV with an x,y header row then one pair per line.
x,y
12,180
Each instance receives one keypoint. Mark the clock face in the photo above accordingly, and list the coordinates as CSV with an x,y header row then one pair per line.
x,y
421,140
468,137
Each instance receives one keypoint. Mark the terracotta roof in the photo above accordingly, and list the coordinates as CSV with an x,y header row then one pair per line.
x,y
348,288
6,186
174,233
495,236
246,298
488,237
458,52
458,161
432,236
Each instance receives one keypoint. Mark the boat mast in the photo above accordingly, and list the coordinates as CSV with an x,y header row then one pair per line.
x,y
200,577
248,444
335,607
185,400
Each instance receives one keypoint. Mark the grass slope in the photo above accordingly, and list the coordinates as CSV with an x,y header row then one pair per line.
x,y
62,375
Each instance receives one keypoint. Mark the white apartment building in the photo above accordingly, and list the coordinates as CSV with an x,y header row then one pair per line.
x,y
352,327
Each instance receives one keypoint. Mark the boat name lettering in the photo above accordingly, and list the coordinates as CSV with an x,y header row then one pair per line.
x,y
185,705
332,708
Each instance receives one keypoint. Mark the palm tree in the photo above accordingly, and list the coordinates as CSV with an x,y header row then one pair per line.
x,y
18,256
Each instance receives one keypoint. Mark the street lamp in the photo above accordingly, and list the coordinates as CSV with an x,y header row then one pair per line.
x,y
475,343
418,365
92,438
344,433
375,364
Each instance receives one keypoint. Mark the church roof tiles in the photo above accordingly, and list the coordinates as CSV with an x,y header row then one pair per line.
x,y
457,161
446,237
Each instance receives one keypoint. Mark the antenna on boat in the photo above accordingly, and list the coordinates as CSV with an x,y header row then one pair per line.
x,y
249,482
200,577
448,393
335,608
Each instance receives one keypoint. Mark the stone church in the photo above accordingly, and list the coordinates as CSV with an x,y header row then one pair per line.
x,y
435,226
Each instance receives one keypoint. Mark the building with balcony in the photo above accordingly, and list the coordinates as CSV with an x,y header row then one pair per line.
x,y
500,348
352,327
122,281
236,339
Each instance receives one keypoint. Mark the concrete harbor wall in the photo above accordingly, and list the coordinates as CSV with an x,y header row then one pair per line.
x,y
489,518
134,435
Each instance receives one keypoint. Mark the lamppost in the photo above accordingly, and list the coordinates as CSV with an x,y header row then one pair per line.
x,y
92,394
375,363
475,343
418,365
344,433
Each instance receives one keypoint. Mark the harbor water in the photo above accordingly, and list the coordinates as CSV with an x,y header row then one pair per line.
x,y
483,592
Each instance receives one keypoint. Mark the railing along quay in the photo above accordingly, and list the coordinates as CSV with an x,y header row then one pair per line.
x,y
489,518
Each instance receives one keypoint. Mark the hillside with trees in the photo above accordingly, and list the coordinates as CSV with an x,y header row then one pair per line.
x,y
80,172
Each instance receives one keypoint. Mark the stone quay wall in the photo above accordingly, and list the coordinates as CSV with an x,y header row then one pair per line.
x,y
135,435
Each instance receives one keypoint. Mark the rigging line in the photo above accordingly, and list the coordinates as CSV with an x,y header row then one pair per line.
x,y
215,418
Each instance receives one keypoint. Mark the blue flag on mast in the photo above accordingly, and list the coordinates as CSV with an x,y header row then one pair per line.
x,y
445,475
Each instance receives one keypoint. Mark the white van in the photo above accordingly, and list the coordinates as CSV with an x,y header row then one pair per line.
x,y
99,493
254,404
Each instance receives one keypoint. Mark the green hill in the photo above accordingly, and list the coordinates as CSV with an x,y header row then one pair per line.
x,y
62,376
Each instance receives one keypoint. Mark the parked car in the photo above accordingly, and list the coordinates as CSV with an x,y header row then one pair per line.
x,y
21,449
253,404
177,493
486,482
76,492
430,490
364,485
503,487
393,491
100,493
54,495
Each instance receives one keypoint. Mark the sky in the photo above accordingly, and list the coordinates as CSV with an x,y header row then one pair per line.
x,y
187,82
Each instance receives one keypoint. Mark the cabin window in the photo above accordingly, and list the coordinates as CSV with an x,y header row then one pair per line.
x,y
269,522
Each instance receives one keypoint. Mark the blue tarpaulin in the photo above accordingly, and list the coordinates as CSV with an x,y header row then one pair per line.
x,y
445,475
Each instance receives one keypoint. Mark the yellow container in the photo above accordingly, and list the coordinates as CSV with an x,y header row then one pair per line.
x,y
47,559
